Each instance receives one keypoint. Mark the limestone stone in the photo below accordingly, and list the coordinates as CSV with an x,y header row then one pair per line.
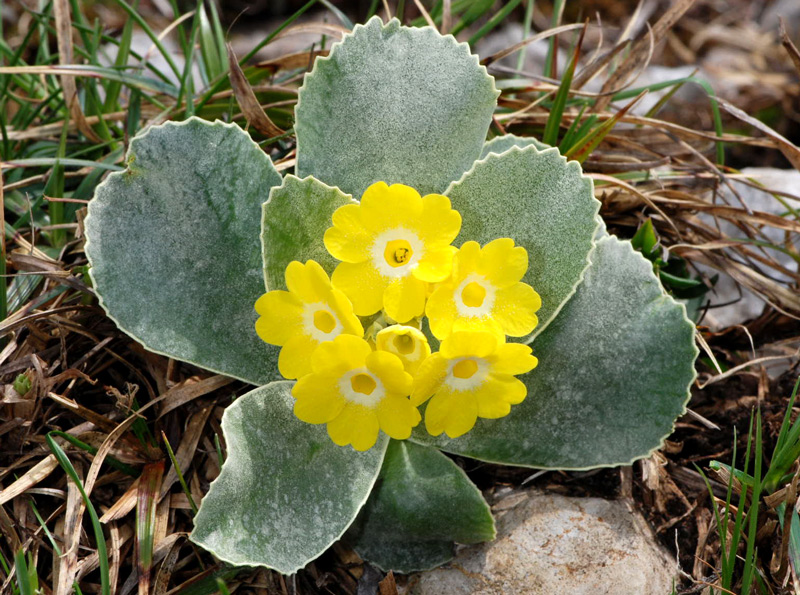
x,y
548,543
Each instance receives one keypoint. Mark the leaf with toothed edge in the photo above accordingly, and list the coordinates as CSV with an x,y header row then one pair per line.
x,y
173,245
294,220
615,368
422,503
286,491
501,144
544,204
393,104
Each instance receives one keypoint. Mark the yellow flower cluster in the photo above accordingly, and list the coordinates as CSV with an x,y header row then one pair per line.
x,y
397,267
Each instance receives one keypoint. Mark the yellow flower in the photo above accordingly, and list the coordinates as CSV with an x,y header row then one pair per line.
x,y
485,293
407,343
310,313
391,244
471,376
356,391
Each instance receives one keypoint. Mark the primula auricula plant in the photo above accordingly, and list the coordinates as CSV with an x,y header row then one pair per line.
x,y
395,250
408,279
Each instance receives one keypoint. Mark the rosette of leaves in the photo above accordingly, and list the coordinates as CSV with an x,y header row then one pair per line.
x,y
184,241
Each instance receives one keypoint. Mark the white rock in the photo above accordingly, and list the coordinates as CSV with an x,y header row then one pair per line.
x,y
549,544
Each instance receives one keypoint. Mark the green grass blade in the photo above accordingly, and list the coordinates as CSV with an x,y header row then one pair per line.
x,y
179,472
211,60
147,501
102,552
783,434
114,88
496,19
551,62
55,187
187,80
112,462
346,22
223,81
526,31
133,14
66,162
47,533
23,580
751,552
475,11
550,136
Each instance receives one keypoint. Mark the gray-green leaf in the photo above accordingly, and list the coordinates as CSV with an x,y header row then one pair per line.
x,y
393,104
286,491
501,144
294,220
615,368
173,244
421,504
544,204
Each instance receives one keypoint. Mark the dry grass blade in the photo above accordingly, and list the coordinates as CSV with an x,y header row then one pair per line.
x,y
641,50
34,475
789,150
64,33
518,46
292,61
104,449
66,567
251,109
425,14
123,505
790,47
190,389
161,583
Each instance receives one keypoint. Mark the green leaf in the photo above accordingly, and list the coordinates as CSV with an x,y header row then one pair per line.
x,y
421,504
173,244
286,491
614,373
294,220
501,144
541,202
393,104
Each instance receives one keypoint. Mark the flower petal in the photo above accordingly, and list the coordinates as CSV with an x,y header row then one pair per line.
x,y
441,311
502,263
309,281
515,308
389,369
429,378
348,240
439,223
453,413
404,298
467,260
385,207
478,324
397,416
513,359
343,308
436,265
295,359
472,344
317,399
496,395
356,425
280,317
345,352
362,284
